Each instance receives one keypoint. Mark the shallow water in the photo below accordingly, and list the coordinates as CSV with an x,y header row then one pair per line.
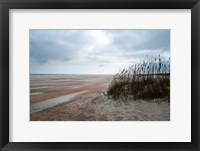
x,y
36,93
52,102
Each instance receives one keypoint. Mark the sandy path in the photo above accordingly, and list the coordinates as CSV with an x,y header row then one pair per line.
x,y
52,102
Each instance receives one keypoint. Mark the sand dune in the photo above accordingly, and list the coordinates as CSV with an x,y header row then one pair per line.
x,y
96,107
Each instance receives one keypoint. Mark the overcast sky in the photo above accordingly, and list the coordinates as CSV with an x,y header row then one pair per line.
x,y
94,51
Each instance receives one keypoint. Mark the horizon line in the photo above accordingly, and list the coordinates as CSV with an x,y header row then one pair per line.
x,y
67,73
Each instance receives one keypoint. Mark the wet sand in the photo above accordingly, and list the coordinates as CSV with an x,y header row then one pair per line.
x,y
80,98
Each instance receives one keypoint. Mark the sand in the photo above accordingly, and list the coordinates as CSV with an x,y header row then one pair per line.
x,y
96,107
80,98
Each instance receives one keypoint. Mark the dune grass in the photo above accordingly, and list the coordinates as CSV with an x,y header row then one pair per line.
x,y
147,80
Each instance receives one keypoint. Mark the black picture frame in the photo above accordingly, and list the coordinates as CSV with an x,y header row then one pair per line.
x,y
5,5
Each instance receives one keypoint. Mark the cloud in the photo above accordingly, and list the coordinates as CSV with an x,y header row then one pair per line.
x,y
138,42
60,45
94,51
142,39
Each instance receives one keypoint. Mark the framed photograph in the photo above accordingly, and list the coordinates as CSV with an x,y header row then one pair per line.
x,y
99,75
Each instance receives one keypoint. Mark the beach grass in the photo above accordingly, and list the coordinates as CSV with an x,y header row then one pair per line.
x,y
148,80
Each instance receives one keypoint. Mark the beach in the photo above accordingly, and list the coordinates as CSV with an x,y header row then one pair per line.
x,y
82,98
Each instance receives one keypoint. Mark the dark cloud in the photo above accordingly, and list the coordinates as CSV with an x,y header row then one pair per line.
x,y
134,42
141,39
60,45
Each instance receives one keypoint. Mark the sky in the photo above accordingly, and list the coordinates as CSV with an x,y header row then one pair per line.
x,y
94,51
